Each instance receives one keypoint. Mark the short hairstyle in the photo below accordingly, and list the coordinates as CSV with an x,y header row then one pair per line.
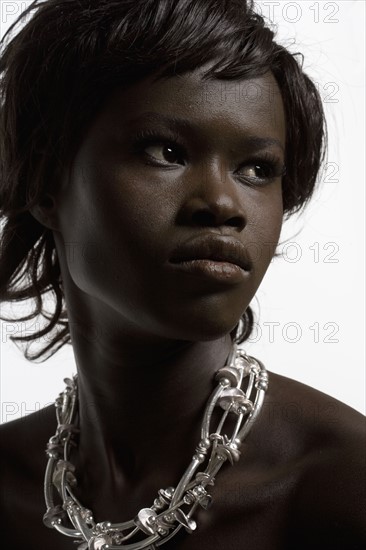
x,y
58,70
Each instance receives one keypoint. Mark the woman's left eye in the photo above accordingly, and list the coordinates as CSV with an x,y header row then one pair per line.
x,y
256,171
262,170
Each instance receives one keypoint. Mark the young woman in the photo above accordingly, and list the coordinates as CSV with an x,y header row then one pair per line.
x,y
146,148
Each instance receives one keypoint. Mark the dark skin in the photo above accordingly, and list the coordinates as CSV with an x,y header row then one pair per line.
x,y
148,340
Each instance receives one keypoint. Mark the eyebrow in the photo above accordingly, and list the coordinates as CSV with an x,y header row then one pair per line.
x,y
182,124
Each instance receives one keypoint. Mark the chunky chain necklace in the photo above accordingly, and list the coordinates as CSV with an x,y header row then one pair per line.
x,y
242,383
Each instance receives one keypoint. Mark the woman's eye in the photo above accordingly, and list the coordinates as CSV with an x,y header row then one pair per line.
x,y
262,170
256,171
165,153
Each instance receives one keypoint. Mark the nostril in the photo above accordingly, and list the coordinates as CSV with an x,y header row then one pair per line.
x,y
203,217
236,221
207,218
217,212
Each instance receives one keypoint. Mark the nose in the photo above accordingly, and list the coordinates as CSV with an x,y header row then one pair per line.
x,y
214,200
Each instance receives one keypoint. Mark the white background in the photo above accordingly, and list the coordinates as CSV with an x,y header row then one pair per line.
x,y
311,317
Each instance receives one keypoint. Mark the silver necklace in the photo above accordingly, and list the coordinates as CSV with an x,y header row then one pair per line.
x,y
174,506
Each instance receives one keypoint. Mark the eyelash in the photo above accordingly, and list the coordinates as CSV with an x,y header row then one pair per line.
x,y
144,138
270,163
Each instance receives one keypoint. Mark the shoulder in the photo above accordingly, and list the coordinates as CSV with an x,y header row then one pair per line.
x,y
22,457
27,432
22,467
329,502
299,421
315,412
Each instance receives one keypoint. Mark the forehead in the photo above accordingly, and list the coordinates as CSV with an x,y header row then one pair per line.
x,y
252,105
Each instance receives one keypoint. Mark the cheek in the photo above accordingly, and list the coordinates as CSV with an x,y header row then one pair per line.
x,y
111,230
263,229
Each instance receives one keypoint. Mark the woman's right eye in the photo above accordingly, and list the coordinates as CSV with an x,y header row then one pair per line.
x,y
159,150
165,153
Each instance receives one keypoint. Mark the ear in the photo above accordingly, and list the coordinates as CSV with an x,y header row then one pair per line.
x,y
45,212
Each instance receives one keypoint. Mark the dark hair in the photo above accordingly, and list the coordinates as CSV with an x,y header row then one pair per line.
x,y
57,72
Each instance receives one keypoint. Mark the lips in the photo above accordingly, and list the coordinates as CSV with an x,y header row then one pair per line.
x,y
212,247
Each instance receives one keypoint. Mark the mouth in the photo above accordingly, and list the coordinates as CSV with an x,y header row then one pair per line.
x,y
219,257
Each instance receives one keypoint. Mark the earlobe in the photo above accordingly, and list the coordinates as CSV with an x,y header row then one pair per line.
x,y
45,212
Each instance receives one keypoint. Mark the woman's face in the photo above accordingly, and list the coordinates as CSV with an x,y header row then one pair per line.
x,y
172,209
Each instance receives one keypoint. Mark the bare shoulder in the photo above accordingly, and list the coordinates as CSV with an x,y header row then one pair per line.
x,y
19,438
22,451
22,464
22,448
329,502
299,404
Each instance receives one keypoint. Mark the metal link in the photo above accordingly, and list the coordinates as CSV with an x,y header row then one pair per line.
x,y
173,508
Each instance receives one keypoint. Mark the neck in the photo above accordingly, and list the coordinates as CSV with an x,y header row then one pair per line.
x,y
141,408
